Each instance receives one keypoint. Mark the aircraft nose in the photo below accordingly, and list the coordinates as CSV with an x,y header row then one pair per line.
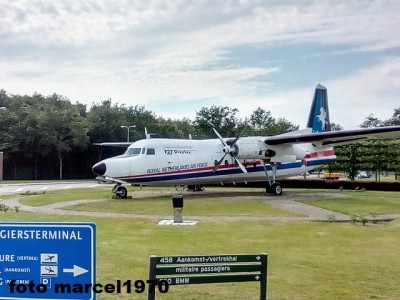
x,y
99,169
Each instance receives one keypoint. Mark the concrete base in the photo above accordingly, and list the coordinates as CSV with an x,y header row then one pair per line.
x,y
184,222
178,215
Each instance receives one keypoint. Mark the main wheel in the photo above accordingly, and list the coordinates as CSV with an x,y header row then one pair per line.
x,y
276,189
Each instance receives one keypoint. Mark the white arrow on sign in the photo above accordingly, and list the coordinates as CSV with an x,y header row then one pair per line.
x,y
77,270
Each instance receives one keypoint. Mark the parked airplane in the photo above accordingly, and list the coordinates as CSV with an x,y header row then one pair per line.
x,y
166,162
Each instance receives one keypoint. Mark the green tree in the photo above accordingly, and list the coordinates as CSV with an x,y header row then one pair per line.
x,y
348,160
20,116
261,121
336,127
61,127
371,121
282,125
104,121
3,98
222,118
395,119
185,125
11,139
168,129
140,117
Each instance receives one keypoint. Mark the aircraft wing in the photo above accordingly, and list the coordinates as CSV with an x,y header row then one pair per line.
x,y
114,144
332,138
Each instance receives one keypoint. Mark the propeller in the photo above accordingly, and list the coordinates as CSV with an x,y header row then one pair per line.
x,y
229,149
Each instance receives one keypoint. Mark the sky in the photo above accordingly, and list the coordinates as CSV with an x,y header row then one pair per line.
x,y
175,57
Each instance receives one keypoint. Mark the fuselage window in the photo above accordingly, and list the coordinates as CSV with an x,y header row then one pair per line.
x,y
133,151
151,151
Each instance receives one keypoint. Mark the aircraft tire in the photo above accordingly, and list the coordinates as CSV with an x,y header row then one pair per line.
x,y
122,192
276,189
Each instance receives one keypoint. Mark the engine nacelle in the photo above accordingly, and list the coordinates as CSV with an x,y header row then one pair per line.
x,y
257,149
254,151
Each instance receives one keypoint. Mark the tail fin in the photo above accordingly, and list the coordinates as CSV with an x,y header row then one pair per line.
x,y
318,118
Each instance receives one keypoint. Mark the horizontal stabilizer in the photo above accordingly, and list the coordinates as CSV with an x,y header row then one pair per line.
x,y
332,138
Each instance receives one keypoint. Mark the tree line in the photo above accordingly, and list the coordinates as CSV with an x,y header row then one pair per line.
x,y
377,156
48,137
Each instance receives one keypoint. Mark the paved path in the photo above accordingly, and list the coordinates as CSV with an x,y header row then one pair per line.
x,y
42,186
309,212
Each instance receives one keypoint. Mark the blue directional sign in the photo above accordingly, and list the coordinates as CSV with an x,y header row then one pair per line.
x,y
47,260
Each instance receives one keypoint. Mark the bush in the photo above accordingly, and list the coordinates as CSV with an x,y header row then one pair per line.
x,y
4,208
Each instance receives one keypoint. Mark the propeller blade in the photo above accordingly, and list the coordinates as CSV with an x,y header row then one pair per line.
x,y
220,137
240,165
234,142
219,163
229,149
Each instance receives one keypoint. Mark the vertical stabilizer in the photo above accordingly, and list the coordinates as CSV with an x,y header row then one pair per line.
x,y
318,119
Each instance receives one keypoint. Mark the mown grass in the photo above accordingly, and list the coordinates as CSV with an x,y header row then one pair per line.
x,y
62,195
306,260
192,207
361,202
217,200
246,202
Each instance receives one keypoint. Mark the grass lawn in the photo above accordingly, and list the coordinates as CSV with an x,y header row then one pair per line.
x,y
361,202
247,202
307,260
192,207
62,195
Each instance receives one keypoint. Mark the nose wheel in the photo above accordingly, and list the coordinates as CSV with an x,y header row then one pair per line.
x,y
120,191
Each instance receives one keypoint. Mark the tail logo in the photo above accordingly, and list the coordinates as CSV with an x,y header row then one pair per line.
x,y
322,118
318,119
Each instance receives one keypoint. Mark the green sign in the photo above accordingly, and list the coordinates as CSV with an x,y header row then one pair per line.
x,y
200,269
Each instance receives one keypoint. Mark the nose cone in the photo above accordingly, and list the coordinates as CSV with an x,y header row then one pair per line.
x,y
99,168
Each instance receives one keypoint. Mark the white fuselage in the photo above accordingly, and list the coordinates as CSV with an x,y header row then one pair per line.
x,y
184,162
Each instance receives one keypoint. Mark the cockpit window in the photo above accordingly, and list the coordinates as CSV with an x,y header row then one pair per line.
x,y
151,151
133,151
143,150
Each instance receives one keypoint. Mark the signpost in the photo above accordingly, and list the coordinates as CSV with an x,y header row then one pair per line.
x,y
178,270
47,260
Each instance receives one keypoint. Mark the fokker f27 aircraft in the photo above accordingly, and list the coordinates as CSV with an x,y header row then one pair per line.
x,y
169,162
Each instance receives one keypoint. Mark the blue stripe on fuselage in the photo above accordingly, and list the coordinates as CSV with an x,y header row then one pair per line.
x,y
219,172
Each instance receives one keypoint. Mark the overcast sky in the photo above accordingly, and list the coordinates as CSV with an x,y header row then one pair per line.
x,y
175,57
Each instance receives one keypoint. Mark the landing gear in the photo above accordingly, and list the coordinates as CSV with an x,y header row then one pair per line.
x,y
120,191
195,188
273,188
